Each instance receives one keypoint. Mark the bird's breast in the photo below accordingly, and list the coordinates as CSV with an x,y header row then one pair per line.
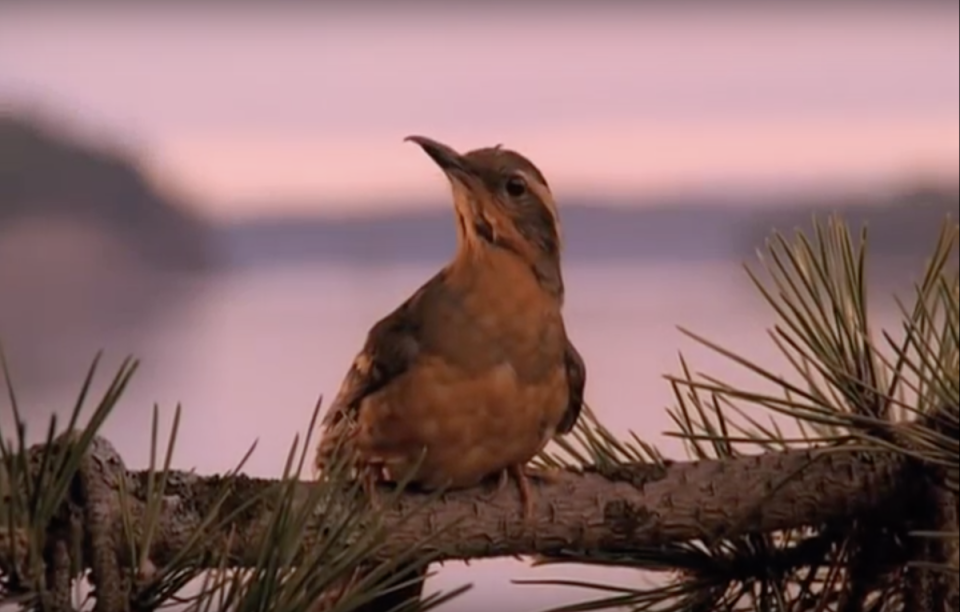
x,y
488,387
470,426
501,312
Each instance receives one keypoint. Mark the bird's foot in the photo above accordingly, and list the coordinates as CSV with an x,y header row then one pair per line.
x,y
547,475
520,474
502,480
370,477
523,474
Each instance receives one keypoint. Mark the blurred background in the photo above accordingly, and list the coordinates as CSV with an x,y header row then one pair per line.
x,y
226,195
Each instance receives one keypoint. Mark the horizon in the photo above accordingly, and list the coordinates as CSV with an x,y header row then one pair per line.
x,y
643,202
837,97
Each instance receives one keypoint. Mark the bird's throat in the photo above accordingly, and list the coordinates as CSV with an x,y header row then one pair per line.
x,y
484,249
473,232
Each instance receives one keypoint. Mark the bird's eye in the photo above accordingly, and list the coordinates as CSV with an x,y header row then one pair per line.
x,y
516,186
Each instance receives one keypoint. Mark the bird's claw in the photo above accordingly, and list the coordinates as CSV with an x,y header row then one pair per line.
x,y
547,475
522,475
502,480
370,478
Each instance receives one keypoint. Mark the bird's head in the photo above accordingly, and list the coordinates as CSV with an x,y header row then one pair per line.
x,y
502,200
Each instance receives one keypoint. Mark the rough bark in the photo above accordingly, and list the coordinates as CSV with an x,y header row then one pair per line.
x,y
637,506
937,509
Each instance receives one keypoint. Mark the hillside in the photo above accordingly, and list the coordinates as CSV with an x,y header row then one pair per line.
x,y
46,175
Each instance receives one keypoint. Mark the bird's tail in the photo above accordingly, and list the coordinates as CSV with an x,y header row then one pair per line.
x,y
336,442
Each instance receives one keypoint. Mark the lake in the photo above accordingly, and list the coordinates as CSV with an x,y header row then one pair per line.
x,y
248,353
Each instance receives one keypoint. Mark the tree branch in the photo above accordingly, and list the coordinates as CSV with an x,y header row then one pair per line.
x,y
639,506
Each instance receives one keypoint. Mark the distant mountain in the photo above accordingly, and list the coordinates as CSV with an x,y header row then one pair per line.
x,y
903,224
45,174
674,229
420,236
91,254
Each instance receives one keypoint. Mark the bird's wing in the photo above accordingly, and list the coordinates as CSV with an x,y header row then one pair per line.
x,y
576,382
391,348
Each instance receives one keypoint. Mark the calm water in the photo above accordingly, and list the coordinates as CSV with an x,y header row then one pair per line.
x,y
247,354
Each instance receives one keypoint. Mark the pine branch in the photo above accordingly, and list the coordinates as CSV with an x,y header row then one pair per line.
x,y
683,501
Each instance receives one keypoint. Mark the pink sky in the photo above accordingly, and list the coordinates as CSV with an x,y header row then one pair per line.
x,y
244,108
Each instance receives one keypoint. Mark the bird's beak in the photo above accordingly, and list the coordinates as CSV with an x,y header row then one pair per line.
x,y
459,171
451,162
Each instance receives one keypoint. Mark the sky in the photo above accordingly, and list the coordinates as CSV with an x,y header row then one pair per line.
x,y
287,109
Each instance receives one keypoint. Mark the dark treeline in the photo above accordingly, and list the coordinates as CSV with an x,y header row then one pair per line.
x,y
44,172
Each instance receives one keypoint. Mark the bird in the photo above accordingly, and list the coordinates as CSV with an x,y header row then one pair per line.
x,y
474,374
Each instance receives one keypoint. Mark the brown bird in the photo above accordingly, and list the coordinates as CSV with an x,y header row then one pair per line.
x,y
473,374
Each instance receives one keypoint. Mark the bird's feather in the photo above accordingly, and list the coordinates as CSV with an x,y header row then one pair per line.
x,y
390,350
576,382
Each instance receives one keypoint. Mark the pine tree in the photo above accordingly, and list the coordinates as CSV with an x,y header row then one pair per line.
x,y
857,512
